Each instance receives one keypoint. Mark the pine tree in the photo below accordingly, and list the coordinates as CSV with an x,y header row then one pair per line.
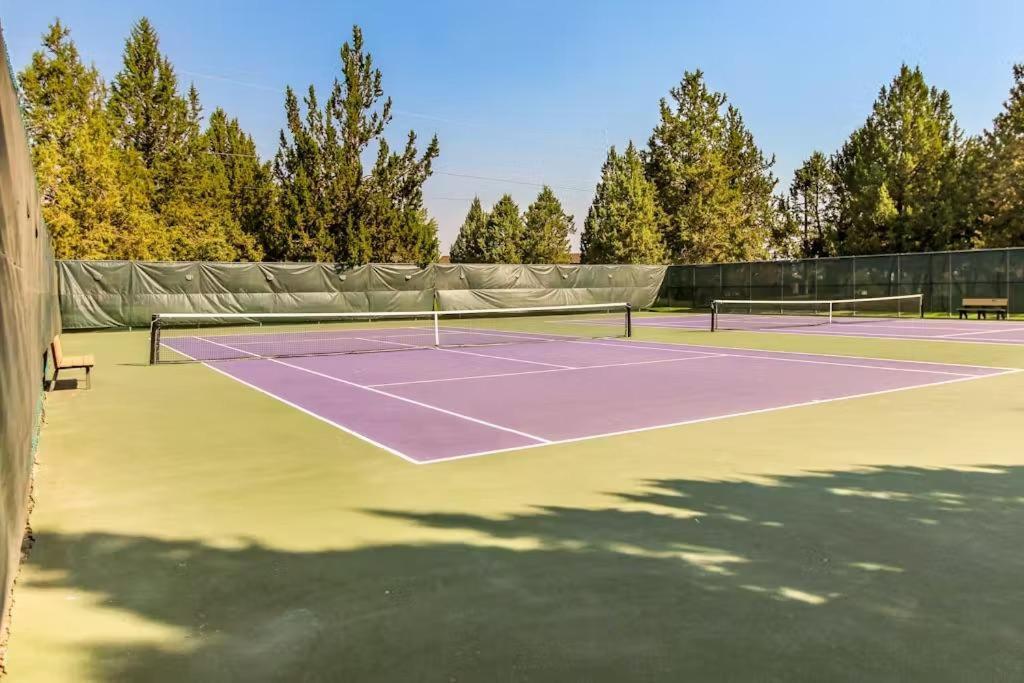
x,y
330,210
547,230
95,196
997,163
898,179
197,207
309,217
502,235
622,224
149,114
392,214
714,186
468,245
812,203
250,182
190,194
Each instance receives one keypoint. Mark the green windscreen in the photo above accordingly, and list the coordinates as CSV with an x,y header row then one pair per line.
x,y
29,319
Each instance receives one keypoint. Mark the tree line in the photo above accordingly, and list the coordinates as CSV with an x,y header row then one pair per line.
x,y
907,180
132,169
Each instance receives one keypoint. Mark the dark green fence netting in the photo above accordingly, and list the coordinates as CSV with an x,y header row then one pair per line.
x,y
944,278
101,294
472,286
104,294
28,321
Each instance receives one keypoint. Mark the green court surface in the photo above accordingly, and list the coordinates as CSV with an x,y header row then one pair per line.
x,y
189,528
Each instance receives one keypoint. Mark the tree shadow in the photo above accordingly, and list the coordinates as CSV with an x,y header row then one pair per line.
x,y
883,574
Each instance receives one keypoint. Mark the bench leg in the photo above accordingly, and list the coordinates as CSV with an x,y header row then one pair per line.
x,y
88,378
53,382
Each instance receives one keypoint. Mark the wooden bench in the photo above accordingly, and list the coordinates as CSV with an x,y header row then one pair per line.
x,y
62,362
985,306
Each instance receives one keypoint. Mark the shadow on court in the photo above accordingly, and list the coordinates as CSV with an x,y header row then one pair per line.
x,y
887,574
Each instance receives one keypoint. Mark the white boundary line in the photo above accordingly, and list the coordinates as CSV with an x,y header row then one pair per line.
x,y
706,348
394,396
815,332
1003,331
514,360
538,372
830,331
482,355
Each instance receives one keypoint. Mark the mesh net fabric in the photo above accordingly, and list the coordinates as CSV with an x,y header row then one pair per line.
x,y
210,337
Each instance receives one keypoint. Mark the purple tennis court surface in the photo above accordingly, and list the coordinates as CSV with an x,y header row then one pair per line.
x,y
428,405
968,331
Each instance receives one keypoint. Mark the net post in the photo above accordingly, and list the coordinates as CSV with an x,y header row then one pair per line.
x,y
920,304
830,307
437,329
629,320
154,340
714,315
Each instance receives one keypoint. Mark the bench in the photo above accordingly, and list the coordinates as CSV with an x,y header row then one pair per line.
x,y
985,306
62,362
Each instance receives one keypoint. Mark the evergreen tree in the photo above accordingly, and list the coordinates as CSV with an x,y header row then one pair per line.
x,y
468,245
998,165
898,179
310,217
95,196
190,191
197,207
812,206
622,224
501,240
546,231
250,182
330,210
149,114
392,215
714,186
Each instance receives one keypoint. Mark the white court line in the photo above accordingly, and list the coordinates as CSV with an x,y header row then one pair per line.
x,y
642,344
389,395
817,332
1009,330
714,418
516,360
539,372
777,356
487,355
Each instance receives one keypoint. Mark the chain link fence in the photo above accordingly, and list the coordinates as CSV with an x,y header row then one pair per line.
x,y
945,278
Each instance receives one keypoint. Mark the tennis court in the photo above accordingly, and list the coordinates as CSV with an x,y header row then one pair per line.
x,y
497,389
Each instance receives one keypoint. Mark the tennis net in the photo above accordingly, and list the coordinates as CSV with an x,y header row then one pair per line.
x,y
738,314
182,337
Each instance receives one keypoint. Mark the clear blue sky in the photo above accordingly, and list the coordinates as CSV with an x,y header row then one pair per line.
x,y
533,92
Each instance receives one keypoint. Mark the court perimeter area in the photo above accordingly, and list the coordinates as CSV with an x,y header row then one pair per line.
x,y
685,505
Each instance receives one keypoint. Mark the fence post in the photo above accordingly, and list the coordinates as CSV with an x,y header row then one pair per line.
x,y
949,284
